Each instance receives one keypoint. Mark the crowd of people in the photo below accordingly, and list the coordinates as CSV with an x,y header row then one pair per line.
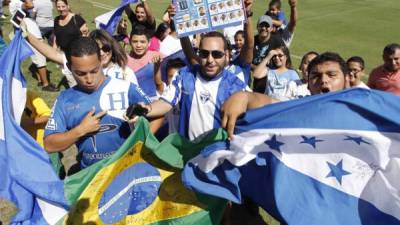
x,y
190,97
210,87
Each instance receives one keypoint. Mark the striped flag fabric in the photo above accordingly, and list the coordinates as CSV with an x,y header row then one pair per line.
x,y
109,20
28,182
328,159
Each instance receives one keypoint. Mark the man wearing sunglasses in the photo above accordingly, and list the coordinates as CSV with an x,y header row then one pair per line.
x,y
201,89
90,114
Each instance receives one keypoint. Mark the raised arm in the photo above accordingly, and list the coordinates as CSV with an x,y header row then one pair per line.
x,y
46,50
261,70
293,16
157,74
150,17
246,53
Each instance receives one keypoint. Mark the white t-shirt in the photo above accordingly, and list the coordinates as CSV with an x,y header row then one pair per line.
x,y
170,45
115,71
361,85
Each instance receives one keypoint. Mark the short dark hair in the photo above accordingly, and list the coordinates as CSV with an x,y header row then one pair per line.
x,y
390,49
65,1
140,30
239,32
328,57
82,46
305,57
161,28
356,59
278,3
139,5
215,34
176,63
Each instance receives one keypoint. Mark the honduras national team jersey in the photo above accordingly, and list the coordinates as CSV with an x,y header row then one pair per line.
x,y
200,100
114,95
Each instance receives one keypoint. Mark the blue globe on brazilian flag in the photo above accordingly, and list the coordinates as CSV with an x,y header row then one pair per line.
x,y
141,184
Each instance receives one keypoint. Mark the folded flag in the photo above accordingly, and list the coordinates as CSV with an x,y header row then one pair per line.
x,y
145,77
28,182
328,159
109,20
133,186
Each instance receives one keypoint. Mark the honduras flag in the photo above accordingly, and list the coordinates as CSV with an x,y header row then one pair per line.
x,y
109,20
145,77
329,159
27,180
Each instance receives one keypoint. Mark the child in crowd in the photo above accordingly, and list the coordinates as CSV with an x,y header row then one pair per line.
x,y
356,67
239,42
277,67
278,16
34,119
299,88
173,65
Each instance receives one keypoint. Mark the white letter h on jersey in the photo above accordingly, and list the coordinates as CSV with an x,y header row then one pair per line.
x,y
117,99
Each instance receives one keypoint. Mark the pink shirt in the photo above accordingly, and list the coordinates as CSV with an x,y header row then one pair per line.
x,y
137,64
154,44
384,80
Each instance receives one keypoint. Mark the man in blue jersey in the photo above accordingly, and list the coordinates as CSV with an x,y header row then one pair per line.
x,y
90,114
200,89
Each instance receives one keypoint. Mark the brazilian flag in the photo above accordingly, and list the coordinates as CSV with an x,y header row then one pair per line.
x,y
141,184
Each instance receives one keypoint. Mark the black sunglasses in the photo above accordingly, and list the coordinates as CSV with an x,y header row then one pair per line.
x,y
215,54
106,48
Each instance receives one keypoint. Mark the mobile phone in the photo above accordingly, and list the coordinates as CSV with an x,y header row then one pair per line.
x,y
18,14
136,110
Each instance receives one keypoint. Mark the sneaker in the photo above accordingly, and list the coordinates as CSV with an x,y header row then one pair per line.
x,y
50,88
3,17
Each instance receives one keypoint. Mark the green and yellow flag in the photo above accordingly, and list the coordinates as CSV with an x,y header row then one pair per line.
x,y
141,184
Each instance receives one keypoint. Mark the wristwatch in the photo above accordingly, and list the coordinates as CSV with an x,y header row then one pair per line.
x,y
249,14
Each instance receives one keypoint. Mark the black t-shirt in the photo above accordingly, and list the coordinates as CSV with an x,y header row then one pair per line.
x,y
69,32
151,27
261,51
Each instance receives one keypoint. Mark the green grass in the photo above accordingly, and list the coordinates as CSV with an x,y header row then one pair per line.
x,y
356,27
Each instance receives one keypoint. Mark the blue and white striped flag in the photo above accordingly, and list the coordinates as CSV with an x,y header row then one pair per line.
x,y
329,159
109,20
27,179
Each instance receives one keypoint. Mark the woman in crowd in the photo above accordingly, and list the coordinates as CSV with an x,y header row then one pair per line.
x,y
113,57
277,67
67,25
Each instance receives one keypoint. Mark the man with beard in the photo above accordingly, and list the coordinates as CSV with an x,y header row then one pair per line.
x,y
386,77
326,73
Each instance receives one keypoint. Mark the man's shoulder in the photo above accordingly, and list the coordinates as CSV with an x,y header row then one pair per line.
x,y
377,71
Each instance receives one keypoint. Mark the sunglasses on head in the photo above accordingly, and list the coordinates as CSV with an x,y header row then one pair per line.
x,y
215,54
106,48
